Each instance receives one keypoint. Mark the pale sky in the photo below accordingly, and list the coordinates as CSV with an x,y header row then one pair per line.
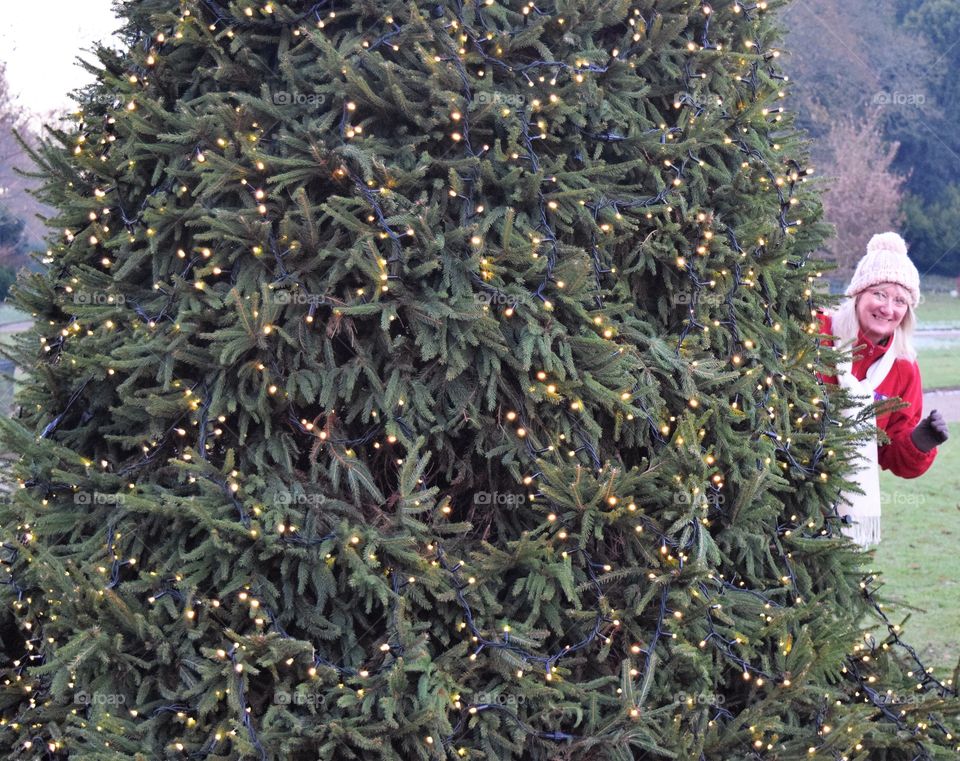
x,y
39,42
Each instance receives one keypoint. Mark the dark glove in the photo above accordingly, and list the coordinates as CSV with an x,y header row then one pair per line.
x,y
930,432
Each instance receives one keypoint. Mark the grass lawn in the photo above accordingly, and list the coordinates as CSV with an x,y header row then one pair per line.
x,y
9,314
939,310
918,555
940,368
8,387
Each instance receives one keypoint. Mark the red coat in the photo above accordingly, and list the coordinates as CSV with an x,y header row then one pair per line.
x,y
900,456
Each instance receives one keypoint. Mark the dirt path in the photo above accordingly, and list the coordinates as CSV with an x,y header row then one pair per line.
x,y
15,327
946,400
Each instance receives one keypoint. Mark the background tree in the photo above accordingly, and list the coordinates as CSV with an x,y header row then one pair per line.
x,y
932,211
12,241
865,195
17,133
419,381
935,226
13,249
894,57
19,210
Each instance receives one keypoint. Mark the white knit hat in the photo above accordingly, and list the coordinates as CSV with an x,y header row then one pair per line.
x,y
886,261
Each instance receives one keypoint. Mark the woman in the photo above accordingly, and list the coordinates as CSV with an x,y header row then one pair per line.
x,y
878,319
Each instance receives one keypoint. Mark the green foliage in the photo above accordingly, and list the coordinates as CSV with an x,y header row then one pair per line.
x,y
8,276
936,197
14,249
11,230
930,224
440,384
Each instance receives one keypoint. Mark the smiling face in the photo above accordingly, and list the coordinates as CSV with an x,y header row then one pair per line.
x,y
881,308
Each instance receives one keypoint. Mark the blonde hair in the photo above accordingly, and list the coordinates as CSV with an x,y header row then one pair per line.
x,y
846,327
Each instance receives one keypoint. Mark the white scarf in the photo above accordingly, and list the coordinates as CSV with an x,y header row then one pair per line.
x,y
864,509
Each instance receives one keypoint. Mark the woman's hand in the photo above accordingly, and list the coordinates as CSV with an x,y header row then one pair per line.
x,y
930,432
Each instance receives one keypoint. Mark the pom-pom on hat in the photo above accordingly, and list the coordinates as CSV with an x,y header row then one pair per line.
x,y
886,261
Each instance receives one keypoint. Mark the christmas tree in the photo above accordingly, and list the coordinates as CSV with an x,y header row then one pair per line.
x,y
438,380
